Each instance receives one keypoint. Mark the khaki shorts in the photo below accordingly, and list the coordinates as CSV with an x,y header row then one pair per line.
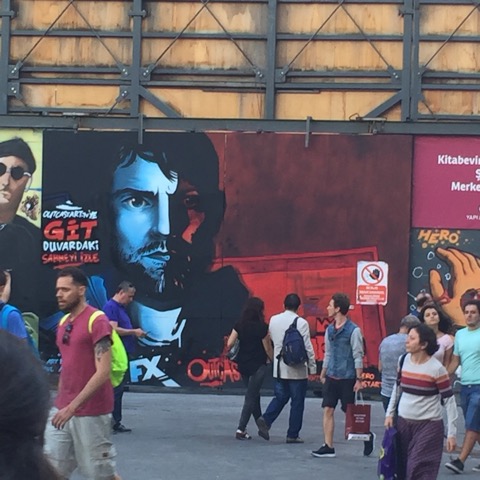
x,y
85,443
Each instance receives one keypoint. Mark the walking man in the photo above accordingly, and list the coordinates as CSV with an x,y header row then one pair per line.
x,y
390,350
290,381
79,426
116,311
466,352
342,370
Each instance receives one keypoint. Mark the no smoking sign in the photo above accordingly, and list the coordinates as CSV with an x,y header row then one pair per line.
x,y
372,283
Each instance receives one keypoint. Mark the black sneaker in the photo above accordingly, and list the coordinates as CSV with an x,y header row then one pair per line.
x,y
369,445
455,465
263,428
119,428
324,451
476,469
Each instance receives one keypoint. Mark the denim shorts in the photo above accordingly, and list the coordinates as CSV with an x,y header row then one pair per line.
x,y
470,399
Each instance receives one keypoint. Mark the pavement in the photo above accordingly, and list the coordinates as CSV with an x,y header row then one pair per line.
x,y
184,436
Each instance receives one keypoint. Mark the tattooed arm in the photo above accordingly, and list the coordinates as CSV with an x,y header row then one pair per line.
x,y
103,360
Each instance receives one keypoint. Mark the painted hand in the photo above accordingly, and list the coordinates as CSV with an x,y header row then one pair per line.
x,y
465,272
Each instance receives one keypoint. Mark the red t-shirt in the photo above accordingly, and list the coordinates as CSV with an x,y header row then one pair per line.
x,y
78,364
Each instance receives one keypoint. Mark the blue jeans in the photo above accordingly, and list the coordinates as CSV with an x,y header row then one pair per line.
x,y
285,390
251,405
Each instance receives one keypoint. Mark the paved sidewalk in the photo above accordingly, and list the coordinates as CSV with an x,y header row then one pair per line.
x,y
191,437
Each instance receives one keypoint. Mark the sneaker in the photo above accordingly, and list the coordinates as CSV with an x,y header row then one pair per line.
x,y
455,465
476,469
239,435
294,440
263,428
119,428
324,451
369,445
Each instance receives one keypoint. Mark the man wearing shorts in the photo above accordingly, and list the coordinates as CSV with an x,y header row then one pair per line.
x,y
342,370
466,352
79,426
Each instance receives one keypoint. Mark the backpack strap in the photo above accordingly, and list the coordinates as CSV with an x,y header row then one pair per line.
x,y
92,318
399,379
63,319
401,361
279,356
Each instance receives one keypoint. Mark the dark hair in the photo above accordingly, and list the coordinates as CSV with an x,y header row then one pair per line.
x,y
341,300
427,335
125,286
470,294
472,302
422,298
292,302
253,311
444,324
24,406
3,278
16,147
78,277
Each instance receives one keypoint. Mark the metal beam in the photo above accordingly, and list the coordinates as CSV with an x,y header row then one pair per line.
x,y
137,13
157,103
6,14
270,93
449,127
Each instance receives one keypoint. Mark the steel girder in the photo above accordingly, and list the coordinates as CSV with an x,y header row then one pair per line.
x,y
134,80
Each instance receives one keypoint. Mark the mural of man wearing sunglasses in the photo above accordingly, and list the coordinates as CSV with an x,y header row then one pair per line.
x,y
20,239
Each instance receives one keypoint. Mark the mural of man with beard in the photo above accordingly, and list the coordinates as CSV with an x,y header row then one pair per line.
x,y
166,208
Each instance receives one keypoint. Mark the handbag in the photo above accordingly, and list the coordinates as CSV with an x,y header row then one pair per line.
x,y
387,463
357,421
234,349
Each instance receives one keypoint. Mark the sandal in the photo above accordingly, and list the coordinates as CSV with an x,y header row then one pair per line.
x,y
239,435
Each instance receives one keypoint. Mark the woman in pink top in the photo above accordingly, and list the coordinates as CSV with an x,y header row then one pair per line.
x,y
434,318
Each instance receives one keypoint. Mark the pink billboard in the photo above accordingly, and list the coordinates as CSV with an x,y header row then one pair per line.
x,y
446,182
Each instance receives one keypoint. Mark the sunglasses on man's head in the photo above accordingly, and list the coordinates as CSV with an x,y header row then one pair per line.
x,y
15,172
66,335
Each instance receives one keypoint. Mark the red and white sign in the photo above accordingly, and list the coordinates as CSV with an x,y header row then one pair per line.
x,y
372,283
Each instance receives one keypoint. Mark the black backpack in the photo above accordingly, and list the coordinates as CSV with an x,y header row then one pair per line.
x,y
293,348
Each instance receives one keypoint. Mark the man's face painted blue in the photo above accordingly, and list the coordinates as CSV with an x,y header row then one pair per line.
x,y
141,197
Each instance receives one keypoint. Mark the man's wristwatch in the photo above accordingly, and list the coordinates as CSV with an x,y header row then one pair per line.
x,y
359,379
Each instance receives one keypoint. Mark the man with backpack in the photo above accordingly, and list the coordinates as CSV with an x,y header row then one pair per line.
x,y
342,370
11,319
293,360
79,426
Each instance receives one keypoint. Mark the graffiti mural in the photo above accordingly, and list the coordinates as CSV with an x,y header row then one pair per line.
x,y
199,222
445,263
